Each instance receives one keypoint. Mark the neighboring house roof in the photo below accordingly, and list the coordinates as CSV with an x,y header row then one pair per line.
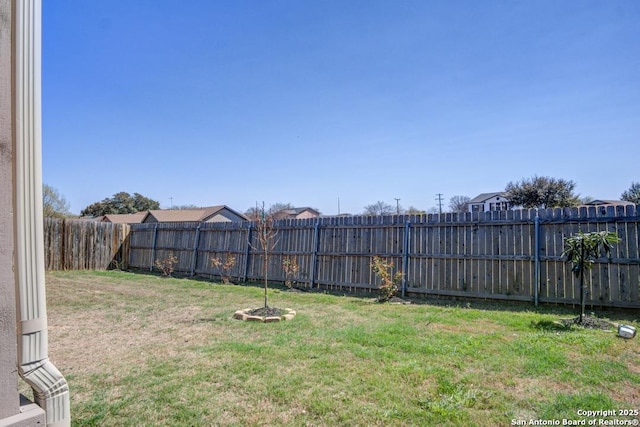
x,y
134,218
90,218
599,202
207,214
480,198
297,212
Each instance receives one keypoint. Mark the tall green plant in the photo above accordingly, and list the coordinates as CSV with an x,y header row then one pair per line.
x,y
388,281
582,249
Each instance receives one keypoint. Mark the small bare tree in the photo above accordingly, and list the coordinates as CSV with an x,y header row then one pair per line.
x,y
379,208
291,269
267,240
224,268
459,204
167,265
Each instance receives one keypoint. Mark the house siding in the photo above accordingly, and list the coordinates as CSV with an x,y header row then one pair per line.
x,y
306,214
494,203
225,216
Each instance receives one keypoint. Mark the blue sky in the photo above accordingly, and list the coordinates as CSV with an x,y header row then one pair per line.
x,y
306,102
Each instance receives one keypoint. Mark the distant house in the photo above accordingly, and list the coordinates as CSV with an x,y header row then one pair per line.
x,y
134,218
209,214
486,202
297,213
601,202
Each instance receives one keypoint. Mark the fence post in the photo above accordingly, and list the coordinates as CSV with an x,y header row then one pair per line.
x,y
536,259
314,257
194,257
63,244
405,256
247,253
125,245
153,247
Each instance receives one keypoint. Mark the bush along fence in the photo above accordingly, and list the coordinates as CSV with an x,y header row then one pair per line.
x,y
510,255
72,244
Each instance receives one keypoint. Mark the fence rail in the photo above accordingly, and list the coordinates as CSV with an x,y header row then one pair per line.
x,y
514,255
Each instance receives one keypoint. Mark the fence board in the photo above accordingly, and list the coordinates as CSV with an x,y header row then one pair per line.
x,y
84,245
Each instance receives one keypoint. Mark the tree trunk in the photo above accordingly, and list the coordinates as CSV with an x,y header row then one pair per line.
x,y
266,271
582,267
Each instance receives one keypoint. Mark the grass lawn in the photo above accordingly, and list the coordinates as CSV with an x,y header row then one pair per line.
x,y
138,349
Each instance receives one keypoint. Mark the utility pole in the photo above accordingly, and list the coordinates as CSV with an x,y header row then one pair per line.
x,y
397,206
171,199
439,199
338,205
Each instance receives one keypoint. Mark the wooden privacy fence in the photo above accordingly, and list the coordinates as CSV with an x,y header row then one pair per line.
x,y
511,255
84,245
